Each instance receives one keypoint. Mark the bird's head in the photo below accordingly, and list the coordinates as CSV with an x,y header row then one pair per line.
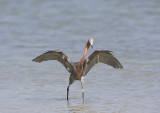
x,y
91,40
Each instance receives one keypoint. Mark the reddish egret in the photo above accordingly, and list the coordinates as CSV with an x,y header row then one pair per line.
x,y
79,69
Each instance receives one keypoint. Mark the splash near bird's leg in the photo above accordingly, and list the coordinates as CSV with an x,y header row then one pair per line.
x,y
82,86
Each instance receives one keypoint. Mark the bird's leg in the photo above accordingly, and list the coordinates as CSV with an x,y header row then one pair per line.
x,y
68,91
82,86
68,87
70,82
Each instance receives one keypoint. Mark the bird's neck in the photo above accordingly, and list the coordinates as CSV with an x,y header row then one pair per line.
x,y
84,53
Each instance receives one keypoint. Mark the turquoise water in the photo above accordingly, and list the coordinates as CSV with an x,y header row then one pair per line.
x,y
131,29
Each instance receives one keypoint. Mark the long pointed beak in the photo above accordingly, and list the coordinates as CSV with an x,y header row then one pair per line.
x,y
92,46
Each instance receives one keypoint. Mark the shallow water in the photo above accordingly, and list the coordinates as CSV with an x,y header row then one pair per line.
x,y
131,29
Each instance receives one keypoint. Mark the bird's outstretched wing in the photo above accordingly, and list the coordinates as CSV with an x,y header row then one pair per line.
x,y
55,55
103,56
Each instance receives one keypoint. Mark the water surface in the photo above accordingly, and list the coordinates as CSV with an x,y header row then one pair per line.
x,y
131,29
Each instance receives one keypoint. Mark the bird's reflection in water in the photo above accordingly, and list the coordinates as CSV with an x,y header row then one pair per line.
x,y
76,108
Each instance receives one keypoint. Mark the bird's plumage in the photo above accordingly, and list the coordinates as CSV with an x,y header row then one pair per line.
x,y
102,56
55,55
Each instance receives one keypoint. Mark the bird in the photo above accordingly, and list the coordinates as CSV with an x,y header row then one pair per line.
x,y
78,70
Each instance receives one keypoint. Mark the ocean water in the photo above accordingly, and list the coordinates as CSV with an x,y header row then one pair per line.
x,y
131,29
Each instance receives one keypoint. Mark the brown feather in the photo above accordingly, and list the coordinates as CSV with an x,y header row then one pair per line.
x,y
55,55
103,56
